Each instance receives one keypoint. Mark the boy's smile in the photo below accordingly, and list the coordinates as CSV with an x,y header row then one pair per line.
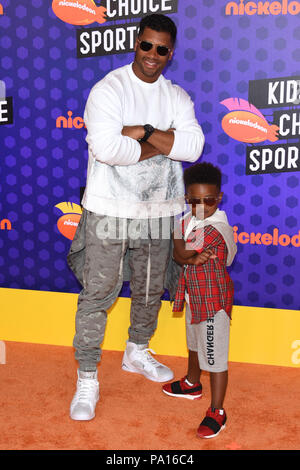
x,y
203,199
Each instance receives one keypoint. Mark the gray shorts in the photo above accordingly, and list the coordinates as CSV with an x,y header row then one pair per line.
x,y
210,338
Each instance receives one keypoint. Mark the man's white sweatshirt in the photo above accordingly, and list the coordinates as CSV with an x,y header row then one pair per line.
x,y
117,183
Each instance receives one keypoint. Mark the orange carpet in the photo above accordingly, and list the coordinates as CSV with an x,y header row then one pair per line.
x,y
38,382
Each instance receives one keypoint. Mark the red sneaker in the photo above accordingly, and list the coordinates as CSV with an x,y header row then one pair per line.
x,y
181,389
212,424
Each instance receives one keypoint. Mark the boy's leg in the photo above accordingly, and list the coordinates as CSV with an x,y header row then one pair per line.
x,y
213,357
194,371
218,386
215,418
218,346
189,386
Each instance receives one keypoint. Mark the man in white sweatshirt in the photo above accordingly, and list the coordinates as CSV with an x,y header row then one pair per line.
x,y
139,128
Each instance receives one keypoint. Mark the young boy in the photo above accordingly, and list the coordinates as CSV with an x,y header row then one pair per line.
x,y
204,247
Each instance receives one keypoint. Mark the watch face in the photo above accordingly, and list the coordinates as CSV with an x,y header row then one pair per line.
x,y
148,131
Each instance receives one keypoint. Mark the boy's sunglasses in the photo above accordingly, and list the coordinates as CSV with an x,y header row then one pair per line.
x,y
147,46
208,201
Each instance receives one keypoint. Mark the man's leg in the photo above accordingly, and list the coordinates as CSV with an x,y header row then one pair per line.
x,y
148,265
102,280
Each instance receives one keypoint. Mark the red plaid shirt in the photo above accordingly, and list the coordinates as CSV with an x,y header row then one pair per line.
x,y
209,285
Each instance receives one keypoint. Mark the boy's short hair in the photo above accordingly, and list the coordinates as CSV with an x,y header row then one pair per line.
x,y
203,173
159,23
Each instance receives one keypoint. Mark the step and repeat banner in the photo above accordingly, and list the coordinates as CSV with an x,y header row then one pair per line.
x,y
240,63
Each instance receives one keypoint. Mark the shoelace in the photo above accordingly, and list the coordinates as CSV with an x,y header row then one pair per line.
x,y
85,388
144,354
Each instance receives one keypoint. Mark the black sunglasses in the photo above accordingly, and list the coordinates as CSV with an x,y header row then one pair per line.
x,y
208,201
147,46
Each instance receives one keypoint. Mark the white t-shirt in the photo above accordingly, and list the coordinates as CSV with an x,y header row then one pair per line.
x,y
117,183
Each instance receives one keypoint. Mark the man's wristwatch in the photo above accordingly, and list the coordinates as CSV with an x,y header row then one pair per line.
x,y
148,131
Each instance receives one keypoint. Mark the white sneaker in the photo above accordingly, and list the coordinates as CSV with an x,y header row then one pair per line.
x,y
87,394
137,359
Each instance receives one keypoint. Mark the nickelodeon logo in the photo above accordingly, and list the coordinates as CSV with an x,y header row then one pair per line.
x,y
68,223
79,12
266,238
5,224
246,123
263,8
1,10
70,122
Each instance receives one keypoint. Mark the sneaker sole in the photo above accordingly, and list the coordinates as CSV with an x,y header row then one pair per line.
x,y
213,435
138,371
189,397
85,419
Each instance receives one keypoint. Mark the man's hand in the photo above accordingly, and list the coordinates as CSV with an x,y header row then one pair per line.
x,y
160,140
135,132
148,151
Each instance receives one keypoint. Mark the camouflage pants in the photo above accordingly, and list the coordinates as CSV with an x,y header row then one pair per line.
x,y
105,248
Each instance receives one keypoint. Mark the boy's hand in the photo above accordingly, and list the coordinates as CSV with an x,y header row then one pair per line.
x,y
202,257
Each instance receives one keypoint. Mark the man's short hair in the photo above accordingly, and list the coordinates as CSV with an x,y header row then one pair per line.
x,y
203,173
159,23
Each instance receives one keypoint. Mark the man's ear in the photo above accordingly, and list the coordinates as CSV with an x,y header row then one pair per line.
x,y
135,44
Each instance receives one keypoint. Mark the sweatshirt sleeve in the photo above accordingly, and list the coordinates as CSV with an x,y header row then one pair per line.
x,y
189,139
103,120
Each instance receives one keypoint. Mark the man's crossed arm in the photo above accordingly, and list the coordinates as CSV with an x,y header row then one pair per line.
x,y
160,142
